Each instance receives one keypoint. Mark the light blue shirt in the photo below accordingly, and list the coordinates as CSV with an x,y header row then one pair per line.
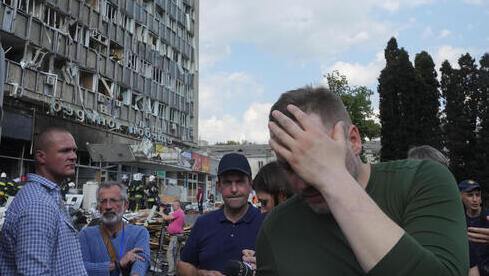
x,y
96,256
38,237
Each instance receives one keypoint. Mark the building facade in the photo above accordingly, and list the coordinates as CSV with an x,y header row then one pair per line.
x,y
258,155
112,72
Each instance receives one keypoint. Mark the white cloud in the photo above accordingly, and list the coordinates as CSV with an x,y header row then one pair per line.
x,y
219,92
449,53
394,5
445,33
358,74
251,127
211,52
307,30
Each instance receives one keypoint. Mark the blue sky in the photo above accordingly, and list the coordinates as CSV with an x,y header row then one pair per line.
x,y
251,51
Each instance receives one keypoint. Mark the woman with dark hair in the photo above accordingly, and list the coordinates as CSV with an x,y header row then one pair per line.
x,y
272,186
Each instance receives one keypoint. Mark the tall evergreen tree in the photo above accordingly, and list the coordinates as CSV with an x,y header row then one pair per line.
x,y
460,91
427,105
483,134
398,83
389,103
468,76
454,117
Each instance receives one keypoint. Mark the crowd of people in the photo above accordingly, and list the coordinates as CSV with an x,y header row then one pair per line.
x,y
323,211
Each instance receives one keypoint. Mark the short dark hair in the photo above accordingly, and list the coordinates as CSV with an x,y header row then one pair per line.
x,y
272,179
428,152
43,140
319,100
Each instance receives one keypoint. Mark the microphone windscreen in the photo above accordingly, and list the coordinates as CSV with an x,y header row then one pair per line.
x,y
237,268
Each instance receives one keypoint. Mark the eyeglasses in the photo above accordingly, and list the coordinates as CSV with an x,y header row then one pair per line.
x,y
111,200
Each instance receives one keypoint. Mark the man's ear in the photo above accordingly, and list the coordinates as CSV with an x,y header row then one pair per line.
x,y
218,186
40,156
353,136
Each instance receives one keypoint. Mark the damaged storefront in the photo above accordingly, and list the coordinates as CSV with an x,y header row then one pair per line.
x,y
111,72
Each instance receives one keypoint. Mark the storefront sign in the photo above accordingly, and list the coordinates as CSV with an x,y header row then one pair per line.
x,y
167,153
201,163
92,117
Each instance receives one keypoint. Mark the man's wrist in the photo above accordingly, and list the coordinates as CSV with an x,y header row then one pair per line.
x,y
334,183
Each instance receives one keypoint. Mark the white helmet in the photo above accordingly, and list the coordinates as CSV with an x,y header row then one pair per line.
x,y
71,184
124,177
137,176
3,174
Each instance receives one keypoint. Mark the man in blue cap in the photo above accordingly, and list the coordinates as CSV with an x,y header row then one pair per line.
x,y
222,235
476,217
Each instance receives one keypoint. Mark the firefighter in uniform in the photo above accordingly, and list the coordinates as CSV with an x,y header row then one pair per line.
x,y
151,191
138,193
130,192
3,188
65,186
12,186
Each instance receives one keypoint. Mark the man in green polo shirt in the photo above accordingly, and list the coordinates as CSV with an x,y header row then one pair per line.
x,y
350,218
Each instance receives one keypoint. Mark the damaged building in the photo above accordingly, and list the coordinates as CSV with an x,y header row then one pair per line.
x,y
112,72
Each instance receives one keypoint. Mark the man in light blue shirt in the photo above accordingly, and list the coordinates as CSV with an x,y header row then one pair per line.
x,y
38,237
127,249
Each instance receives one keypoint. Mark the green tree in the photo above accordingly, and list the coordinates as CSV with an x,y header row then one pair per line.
x,y
427,102
398,86
229,142
482,153
357,102
389,104
456,121
469,86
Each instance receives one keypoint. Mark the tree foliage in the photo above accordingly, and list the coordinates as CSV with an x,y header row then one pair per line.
x,y
398,89
460,90
357,101
483,141
427,103
454,118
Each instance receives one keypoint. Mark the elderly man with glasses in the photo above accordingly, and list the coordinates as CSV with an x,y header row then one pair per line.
x,y
114,247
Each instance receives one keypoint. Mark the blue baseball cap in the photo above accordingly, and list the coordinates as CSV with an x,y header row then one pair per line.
x,y
468,185
234,162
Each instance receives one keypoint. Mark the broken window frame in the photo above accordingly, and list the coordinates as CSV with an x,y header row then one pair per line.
x,y
107,87
110,13
155,111
137,102
83,82
126,96
93,3
9,3
116,52
163,110
23,5
53,18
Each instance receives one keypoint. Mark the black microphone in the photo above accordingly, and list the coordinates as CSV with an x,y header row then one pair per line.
x,y
237,268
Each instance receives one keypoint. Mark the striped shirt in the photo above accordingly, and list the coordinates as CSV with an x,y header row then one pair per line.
x,y
38,237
